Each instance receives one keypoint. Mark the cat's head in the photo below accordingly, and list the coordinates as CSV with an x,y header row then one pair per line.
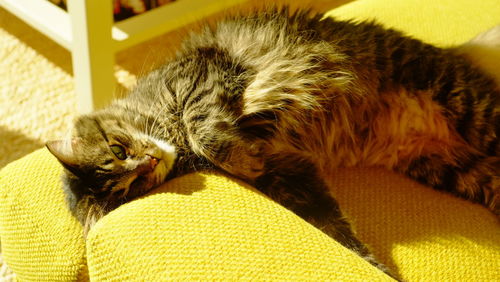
x,y
109,159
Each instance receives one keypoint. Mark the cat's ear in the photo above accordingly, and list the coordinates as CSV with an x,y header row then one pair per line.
x,y
63,150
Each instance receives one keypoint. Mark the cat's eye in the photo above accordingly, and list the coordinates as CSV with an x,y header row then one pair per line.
x,y
119,151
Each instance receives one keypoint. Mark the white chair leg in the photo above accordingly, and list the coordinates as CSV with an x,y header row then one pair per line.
x,y
92,52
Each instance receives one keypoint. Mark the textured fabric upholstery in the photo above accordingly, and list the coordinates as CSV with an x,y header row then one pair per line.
x,y
40,238
208,226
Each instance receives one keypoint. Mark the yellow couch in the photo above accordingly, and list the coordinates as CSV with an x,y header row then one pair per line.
x,y
207,226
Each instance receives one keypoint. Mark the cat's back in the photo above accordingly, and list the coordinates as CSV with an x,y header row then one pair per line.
x,y
255,34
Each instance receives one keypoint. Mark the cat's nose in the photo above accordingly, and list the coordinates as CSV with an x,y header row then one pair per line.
x,y
147,164
153,162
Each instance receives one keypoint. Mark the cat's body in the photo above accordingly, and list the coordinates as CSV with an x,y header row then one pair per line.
x,y
281,100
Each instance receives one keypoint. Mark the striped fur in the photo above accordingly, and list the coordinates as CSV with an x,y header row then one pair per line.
x,y
279,99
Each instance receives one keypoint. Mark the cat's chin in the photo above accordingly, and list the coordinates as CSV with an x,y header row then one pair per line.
x,y
140,185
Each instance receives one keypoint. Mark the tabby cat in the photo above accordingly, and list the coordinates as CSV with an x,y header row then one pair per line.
x,y
280,99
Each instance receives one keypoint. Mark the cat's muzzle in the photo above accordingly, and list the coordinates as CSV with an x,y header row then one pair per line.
x,y
145,179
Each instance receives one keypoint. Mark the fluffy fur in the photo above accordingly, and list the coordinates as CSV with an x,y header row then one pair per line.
x,y
279,99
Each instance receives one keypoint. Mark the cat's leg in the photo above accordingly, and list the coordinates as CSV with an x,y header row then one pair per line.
x,y
293,182
289,180
473,177
468,99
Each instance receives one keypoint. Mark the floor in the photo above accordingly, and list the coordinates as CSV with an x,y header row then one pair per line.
x,y
37,99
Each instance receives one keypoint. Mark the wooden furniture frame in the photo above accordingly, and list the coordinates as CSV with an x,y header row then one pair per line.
x,y
88,32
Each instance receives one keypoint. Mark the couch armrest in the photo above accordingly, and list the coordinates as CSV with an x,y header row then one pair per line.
x,y
206,226
41,240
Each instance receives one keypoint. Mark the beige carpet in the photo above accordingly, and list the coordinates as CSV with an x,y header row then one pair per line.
x,y
37,98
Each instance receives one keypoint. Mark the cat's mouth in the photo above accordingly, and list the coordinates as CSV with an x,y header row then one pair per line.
x,y
145,182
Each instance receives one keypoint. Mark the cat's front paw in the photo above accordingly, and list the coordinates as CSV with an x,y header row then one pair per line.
x,y
245,160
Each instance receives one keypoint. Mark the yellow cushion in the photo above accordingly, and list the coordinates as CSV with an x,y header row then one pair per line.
x,y
40,239
206,226
440,22
209,226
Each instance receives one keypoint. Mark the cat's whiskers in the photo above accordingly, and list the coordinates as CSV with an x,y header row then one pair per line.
x,y
147,61
146,124
156,106
153,129
149,129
